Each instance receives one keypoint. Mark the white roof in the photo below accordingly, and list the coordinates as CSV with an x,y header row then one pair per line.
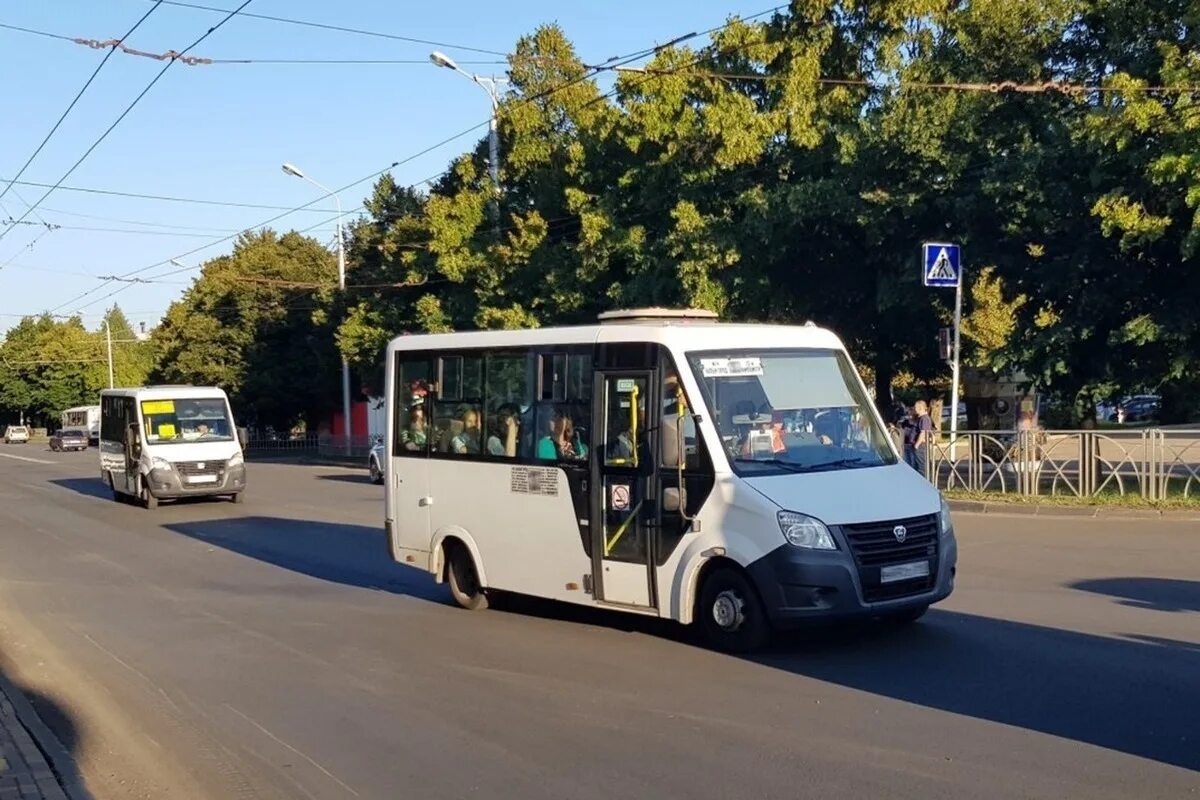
x,y
156,392
677,334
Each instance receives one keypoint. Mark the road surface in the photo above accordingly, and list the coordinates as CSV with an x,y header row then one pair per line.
x,y
269,650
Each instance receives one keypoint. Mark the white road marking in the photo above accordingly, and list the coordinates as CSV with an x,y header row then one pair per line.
x,y
329,774
25,458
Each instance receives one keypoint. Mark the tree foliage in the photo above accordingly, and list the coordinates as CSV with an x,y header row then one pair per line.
x,y
736,177
48,365
259,323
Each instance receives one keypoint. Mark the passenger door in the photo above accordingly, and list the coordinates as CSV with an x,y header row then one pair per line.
x,y
407,470
625,491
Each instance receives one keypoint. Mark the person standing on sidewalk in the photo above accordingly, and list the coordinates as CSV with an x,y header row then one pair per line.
x,y
922,436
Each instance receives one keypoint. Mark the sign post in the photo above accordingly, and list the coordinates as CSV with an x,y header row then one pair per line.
x,y
941,267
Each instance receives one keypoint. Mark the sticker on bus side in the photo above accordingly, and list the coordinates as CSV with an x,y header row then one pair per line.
x,y
731,367
620,497
541,481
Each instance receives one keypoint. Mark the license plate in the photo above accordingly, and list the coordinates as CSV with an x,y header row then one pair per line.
x,y
202,479
904,572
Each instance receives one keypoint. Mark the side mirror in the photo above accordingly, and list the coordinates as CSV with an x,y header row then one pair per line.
x,y
243,438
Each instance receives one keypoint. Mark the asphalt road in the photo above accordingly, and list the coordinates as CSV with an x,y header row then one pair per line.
x,y
270,650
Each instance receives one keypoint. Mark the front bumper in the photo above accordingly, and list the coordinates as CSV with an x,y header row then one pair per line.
x,y
800,587
170,484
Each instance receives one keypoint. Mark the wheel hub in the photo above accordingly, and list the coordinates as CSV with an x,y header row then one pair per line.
x,y
728,610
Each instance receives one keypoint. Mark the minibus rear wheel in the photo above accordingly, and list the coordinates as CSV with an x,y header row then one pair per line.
x,y
730,612
463,577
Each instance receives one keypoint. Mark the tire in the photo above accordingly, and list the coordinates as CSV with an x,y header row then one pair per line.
x,y
238,499
464,579
149,500
376,474
730,613
906,617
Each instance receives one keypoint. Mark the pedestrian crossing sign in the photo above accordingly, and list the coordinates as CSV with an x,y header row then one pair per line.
x,y
940,264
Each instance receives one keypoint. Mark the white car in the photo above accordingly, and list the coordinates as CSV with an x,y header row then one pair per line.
x,y
16,434
375,462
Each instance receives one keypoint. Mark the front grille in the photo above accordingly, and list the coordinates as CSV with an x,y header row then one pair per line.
x,y
190,469
874,546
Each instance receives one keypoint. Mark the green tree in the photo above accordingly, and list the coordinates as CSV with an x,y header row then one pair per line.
x,y
258,323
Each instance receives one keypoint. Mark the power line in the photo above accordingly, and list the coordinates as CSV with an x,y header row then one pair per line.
x,y
78,95
194,61
340,29
590,72
164,198
131,106
995,87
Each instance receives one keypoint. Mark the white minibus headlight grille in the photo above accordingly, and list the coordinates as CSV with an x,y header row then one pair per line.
x,y
801,530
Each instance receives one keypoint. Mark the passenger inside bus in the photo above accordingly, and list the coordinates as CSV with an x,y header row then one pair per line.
x,y
562,441
414,436
467,441
505,427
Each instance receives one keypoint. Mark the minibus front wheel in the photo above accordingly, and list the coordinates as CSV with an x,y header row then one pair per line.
x,y
730,612
463,577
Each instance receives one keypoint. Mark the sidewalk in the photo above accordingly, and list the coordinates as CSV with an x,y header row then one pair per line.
x,y
25,773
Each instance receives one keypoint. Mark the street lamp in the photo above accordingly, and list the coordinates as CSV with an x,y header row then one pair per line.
x,y
491,86
295,172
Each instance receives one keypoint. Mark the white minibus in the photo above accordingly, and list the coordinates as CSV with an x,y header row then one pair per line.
x,y
167,442
663,463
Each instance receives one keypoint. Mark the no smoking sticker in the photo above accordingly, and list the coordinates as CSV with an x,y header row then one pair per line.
x,y
620,497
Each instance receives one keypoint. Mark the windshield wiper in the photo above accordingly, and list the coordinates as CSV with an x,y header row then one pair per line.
x,y
792,465
840,462
796,467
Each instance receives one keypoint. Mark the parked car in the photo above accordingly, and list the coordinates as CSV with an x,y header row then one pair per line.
x,y
16,434
375,461
69,439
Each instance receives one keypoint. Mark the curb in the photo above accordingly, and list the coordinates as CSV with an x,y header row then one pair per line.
x,y
46,741
1077,512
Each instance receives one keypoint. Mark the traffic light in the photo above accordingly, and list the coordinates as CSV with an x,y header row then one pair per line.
x,y
945,346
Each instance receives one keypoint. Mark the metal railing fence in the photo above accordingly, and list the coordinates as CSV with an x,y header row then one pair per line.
x,y
1152,463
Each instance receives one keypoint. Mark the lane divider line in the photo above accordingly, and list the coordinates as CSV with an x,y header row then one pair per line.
x,y
25,458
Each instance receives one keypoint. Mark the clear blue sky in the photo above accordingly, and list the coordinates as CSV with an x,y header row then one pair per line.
x,y
221,132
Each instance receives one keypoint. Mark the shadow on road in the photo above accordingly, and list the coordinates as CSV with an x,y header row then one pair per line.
x,y
364,478
354,555
1160,594
1135,697
54,734
89,487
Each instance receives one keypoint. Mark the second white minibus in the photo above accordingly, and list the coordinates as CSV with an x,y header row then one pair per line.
x,y
169,442
660,462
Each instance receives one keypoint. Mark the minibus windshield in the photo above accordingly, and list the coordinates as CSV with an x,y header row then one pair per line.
x,y
186,420
789,411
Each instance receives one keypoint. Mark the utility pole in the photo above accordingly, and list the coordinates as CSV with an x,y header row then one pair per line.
x,y
295,172
108,337
492,87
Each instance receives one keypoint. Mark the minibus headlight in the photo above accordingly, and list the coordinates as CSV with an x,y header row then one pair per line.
x,y
160,463
237,460
804,531
945,524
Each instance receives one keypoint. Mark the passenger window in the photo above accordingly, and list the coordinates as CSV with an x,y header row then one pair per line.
x,y
678,443
554,377
565,377
461,378
509,406
412,407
